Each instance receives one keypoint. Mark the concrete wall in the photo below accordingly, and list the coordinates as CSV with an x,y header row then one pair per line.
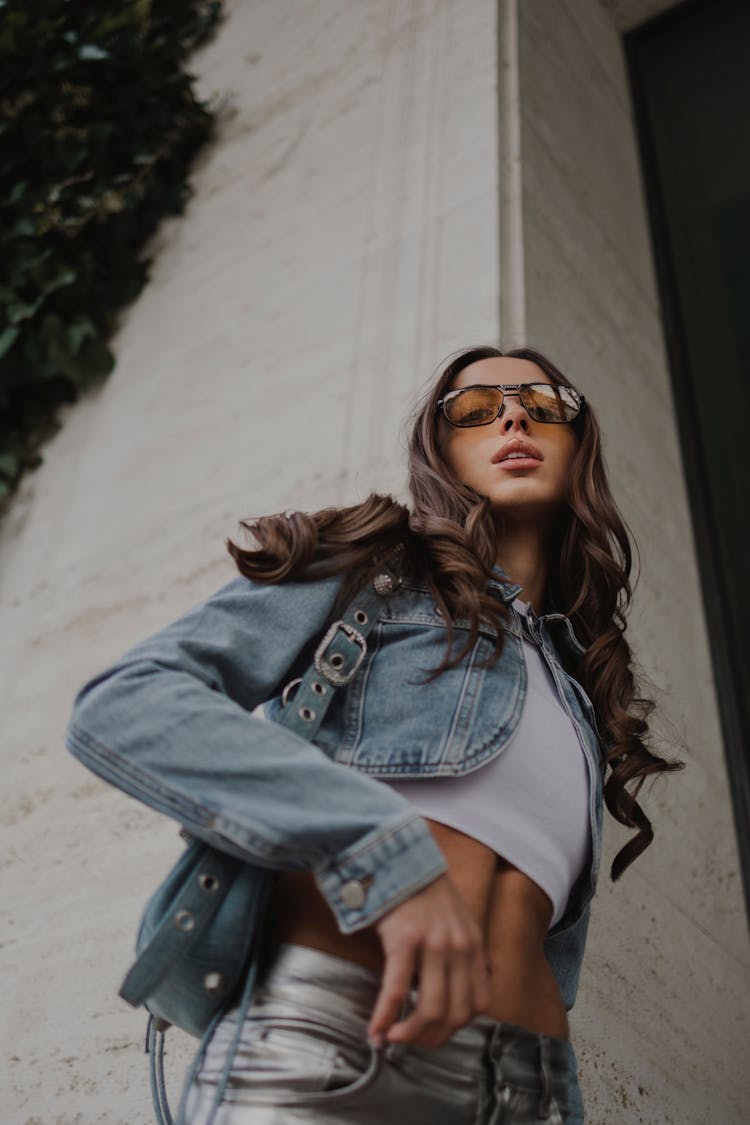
x,y
343,238
661,1024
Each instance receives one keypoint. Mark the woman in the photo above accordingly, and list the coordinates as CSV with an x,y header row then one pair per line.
x,y
428,921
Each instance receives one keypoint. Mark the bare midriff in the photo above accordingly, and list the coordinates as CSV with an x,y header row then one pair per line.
x,y
511,909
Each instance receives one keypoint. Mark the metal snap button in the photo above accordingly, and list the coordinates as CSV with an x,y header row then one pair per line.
x,y
353,894
214,984
184,921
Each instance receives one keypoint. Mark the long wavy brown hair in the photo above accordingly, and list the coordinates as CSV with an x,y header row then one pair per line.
x,y
447,538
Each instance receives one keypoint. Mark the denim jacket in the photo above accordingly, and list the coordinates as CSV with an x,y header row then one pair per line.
x,y
174,722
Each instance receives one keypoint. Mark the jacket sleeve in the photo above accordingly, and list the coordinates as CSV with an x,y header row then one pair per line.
x,y
170,723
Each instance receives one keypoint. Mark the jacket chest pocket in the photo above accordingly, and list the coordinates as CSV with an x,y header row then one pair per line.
x,y
392,723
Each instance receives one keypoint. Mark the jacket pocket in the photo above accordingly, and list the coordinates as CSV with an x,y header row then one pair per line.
x,y
394,723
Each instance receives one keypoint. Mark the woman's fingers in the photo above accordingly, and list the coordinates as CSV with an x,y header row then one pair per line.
x,y
428,1016
394,989
432,932
453,987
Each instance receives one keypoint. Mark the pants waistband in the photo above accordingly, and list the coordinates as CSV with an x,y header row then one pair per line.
x,y
513,1049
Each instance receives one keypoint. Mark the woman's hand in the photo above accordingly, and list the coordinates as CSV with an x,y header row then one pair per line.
x,y
431,935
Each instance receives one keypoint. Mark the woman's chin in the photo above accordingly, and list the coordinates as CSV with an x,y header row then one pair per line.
x,y
525,509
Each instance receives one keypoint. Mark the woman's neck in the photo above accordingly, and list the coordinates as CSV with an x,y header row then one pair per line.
x,y
522,554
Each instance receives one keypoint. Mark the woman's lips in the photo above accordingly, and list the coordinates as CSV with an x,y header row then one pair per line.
x,y
516,448
518,463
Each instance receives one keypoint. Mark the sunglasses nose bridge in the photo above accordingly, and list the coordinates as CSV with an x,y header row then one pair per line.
x,y
514,398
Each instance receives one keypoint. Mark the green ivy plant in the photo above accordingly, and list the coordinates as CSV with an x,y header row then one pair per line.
x,y
98,127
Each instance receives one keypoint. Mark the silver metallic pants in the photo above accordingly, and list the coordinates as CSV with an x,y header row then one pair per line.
x,y
304,1057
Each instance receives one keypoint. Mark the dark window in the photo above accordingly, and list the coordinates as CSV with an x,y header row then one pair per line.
x,y
690,82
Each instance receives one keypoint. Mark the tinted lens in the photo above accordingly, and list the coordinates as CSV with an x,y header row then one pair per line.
x,y
475,406
548,403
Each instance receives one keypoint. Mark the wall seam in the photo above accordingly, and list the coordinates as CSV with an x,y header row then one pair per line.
x,y
512,266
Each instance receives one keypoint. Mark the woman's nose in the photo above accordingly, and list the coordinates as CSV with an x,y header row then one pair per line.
x,y
514,416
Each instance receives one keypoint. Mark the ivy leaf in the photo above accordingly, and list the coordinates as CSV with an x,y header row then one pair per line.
x,y
94,361
97,359
82,328
91,53
111,202
17,312
8,338
8,465
63,277
18,191
23,228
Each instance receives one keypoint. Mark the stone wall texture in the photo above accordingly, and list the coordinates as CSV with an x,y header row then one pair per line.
x,y
364,211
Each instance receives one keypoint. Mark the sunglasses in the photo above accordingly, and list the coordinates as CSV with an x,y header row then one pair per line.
x,y
479,405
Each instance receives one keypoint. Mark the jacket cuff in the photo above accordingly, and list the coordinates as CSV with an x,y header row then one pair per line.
x,y
364,882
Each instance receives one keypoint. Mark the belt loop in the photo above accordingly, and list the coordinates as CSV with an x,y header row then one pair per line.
x,y
487,1083
498,1089
544,1070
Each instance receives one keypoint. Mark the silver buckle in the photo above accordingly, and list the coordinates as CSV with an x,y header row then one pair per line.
x,y
329,671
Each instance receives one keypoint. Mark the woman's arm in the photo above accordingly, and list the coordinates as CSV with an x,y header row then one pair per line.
x,y
170,724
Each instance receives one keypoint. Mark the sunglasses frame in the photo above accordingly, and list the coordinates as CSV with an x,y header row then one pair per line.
x,y
513,390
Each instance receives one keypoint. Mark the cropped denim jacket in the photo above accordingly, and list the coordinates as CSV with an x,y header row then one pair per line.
x,y
175,722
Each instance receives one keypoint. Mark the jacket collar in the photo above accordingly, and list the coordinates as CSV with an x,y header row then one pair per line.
x,y
508,590
557,623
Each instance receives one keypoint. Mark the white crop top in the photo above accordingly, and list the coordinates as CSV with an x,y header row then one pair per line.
x,y
530,803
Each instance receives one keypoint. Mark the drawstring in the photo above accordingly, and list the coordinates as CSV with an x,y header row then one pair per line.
x,y
155,1051
242,1010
